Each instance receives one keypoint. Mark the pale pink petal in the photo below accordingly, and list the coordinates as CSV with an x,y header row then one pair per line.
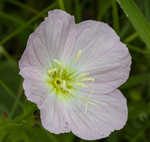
x,y
36,91
42,46
47,42
54,117
58,25
103,55
111,71
35,54
52,110
107,113
90,36
32,73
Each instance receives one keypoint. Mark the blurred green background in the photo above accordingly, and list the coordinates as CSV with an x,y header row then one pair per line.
x,y
19,119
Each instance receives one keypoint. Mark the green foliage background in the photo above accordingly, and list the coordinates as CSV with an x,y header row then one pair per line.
x,y
19,119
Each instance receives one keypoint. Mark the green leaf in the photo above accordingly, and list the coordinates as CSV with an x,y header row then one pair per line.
x,y
137,19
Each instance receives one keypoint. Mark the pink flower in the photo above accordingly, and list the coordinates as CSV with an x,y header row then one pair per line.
x,y
72,72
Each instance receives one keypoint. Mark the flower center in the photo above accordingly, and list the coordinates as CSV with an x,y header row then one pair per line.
x,y
65,81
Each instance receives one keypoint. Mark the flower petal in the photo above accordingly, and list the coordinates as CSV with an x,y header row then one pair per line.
x,y
35,91
35,54
111,72
58,25
103,55
105,113
53,115
47,42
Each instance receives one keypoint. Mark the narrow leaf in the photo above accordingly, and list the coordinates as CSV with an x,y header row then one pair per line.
x,y
137,19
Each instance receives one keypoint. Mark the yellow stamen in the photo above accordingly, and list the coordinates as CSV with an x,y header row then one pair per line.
x,y
88,79
65,88
68,90
77,57
83,74
81,85
57,61
64,81
87,102
52,70
64,84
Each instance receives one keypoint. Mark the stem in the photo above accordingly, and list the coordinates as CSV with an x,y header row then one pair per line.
x,y
78,11
104,5
9,91
16,103
4,52
138,50
61,4
131,38
124,30
115,16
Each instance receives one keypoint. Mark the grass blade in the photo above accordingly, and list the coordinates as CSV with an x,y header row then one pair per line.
x,y
103,7
61,4
11,18
131,37
9,91
115,16
21,28
137,19
78,11
23,6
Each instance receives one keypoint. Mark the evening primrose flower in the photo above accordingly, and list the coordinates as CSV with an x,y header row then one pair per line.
x,y
72,72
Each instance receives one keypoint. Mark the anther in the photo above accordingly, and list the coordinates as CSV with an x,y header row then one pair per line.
x,y
77,56
88,79
52,70
57,61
